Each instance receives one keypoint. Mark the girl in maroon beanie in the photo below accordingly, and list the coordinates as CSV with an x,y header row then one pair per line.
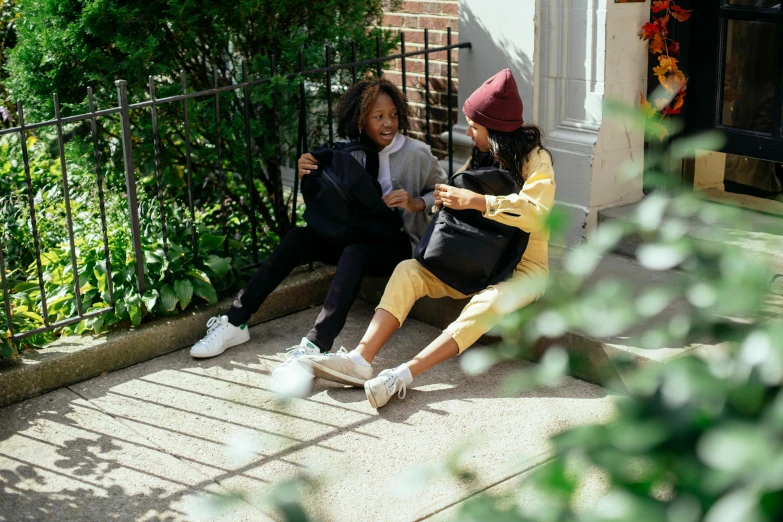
x,y
500,137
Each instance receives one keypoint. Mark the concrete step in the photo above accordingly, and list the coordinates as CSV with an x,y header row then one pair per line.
x,y
149,441
72,359
602,361
758,235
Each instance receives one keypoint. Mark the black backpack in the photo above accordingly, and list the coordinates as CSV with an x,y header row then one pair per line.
x,y
343,199
464,249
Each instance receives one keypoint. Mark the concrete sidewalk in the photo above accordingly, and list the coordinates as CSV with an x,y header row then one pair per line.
x,y
149,442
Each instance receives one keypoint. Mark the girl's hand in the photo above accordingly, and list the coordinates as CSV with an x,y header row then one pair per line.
x,y
459,199
307,163
401,199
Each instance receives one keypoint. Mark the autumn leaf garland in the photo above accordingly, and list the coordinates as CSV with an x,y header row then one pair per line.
x,y
668,72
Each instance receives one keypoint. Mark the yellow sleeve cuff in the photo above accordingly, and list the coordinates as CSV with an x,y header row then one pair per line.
x,y
492,207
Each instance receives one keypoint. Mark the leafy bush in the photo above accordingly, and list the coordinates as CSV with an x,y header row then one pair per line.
x,y
66,46
172,280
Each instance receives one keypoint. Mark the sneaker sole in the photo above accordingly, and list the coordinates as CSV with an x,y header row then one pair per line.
x,y
230,345
369,395
333,375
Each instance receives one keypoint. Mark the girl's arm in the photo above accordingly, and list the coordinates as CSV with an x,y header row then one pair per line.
x,y
528,209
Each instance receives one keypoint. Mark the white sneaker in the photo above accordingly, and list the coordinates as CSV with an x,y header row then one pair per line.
x,y
337,367
383,387
290,379
221,335
305,347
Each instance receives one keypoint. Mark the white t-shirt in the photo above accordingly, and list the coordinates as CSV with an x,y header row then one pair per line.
x,y
384,171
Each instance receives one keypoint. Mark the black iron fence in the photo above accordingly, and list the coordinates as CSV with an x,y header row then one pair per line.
x,y
123,110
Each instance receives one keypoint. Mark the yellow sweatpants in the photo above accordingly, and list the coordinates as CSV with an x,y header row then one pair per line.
x,y
411,281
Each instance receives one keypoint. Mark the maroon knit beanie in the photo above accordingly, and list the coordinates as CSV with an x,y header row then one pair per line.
x,y
496,104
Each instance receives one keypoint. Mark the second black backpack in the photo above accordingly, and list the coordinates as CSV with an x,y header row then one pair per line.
x,y
464,249
343,199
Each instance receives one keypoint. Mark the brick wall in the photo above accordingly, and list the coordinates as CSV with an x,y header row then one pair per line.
x,y
413,17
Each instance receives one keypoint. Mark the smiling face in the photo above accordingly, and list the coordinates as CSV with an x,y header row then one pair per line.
x,y
382,121
478,135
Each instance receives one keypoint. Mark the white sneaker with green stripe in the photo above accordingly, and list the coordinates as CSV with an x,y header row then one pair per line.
x,y
221,335
337,367
305,347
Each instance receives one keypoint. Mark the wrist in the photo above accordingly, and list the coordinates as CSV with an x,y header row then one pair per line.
x,y
479,203
418,205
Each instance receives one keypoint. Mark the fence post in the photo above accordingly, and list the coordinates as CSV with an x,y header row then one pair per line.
x,y
130,183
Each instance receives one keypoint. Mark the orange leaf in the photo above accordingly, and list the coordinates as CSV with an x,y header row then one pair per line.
x,y
663,24
679,101
681,14
660,5
657,44
648,31
667,65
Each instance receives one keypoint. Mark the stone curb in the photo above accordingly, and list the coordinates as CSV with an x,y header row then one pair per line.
x,y
592,360
73,359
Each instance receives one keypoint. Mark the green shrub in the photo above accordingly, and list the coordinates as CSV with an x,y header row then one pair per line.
x,y
173,281
66,46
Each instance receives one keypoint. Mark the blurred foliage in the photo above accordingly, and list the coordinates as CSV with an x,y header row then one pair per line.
x,y
697,438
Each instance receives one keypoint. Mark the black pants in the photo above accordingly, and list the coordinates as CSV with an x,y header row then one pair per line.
x,y
302,245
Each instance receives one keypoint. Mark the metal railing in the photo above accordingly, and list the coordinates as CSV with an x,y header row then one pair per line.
x,y
124,109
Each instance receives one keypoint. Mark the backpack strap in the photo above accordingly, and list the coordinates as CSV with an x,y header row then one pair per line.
x,y
372,163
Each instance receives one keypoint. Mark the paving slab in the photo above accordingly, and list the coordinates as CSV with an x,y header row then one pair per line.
x,y
363,463
63,459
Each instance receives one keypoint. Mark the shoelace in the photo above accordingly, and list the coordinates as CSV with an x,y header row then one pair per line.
x,y
395,384
213,326
295,351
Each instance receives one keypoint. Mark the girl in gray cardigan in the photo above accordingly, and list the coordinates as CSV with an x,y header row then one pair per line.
x,y
374,112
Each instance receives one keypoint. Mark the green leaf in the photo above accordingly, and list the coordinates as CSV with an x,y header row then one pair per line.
x,y
150,298
184,291
219,265
96,323
7,351
209,242
151,259
205,291
134,311
133,304
119,307
31,315
198,274
168,299
101,282
23,287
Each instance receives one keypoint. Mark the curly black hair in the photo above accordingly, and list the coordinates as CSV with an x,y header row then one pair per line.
x,y
509,150
354,104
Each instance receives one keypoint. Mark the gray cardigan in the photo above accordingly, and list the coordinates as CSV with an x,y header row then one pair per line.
x,y
416,170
